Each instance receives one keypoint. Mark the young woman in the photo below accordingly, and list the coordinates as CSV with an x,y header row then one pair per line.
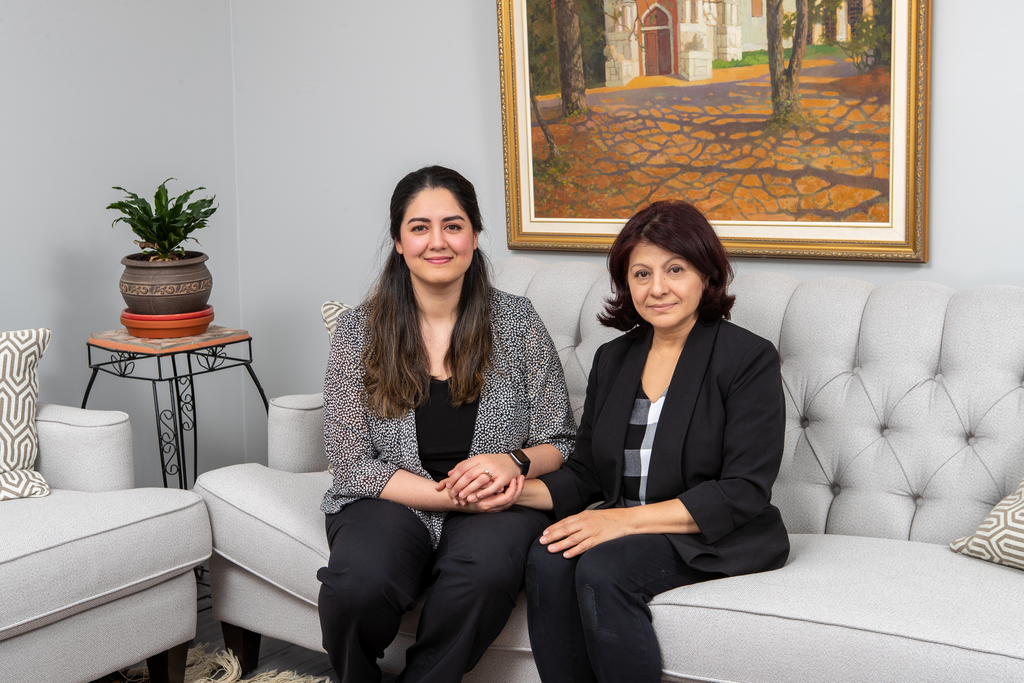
x,y
681,437
442,395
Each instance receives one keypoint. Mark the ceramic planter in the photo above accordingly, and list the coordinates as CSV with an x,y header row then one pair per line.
x,y
166,287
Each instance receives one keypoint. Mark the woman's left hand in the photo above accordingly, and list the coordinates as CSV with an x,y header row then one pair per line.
x,y
497,503
480,477
577,534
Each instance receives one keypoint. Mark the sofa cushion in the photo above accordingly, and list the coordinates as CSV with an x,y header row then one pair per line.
x,y
1000,538
259,515
330,312
568,298
849,608
19,391
72,550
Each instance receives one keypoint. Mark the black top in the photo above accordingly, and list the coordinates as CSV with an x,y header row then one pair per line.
x,y
444,432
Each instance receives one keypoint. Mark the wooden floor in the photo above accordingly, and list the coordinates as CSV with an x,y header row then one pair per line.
x,y
275,655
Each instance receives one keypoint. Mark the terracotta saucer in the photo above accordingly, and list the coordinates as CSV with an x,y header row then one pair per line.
x,y
166,329
208,310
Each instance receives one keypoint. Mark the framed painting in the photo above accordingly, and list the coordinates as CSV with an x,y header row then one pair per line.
x,y
799,127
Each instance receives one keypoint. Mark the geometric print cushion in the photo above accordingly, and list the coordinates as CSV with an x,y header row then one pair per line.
x,y
331,311
19,390
1000,538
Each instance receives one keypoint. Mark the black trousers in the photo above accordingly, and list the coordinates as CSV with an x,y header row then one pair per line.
x,y
588,616
381,560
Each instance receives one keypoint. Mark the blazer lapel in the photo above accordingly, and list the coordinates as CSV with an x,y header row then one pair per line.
x,y
609,431
665,477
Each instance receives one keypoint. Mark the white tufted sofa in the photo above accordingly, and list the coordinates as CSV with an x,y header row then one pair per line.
x,y
905,413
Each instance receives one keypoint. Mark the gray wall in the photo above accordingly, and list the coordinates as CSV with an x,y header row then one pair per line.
x,y
102,93
301,116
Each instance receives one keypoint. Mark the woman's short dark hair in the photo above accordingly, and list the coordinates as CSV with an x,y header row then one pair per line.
x,y
679,228
395,362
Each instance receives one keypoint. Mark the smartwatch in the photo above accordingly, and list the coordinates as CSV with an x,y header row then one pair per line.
x,y
522,460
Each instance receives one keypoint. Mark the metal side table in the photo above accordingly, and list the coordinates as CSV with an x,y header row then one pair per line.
x,y
174,363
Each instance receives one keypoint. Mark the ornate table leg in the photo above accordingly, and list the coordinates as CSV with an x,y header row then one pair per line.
x,y
169,436
186,402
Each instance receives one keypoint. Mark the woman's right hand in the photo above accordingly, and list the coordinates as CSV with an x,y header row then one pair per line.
x,y
495,503
481,476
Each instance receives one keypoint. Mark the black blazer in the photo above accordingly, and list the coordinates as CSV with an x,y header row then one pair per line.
x,y
718,447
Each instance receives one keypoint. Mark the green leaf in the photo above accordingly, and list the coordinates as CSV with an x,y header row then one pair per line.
x,y
167,223
160,198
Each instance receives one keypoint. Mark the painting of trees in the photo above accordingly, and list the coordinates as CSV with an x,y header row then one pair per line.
x,y
774,117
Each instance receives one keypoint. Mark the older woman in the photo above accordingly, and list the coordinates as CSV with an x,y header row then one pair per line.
x,y
681,437
442,396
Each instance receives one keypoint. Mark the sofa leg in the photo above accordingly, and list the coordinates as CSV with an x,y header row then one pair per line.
x,y
168,666
244,644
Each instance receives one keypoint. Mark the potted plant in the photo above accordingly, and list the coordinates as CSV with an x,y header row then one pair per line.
x,y
164,279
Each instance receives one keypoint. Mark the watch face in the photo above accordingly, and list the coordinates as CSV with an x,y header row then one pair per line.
x,y
522,460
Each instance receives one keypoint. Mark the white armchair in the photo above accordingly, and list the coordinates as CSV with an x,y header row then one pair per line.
x,y
97,575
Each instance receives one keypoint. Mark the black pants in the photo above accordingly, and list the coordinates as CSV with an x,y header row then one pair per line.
x,y
381,560
588,615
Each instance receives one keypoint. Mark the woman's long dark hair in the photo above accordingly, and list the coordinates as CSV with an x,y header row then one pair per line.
x,y
395,360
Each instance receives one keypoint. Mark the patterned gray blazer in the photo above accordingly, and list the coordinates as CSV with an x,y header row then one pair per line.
x,y
523,403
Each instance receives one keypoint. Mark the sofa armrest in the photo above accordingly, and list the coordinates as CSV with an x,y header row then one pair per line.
x,y
295,433
84,450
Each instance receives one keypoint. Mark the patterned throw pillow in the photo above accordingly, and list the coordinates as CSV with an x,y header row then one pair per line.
x,y
1000,538
331,311
19,389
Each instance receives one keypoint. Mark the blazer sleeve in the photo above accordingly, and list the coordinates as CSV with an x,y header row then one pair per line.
x,y
358,470
551,419
752,447
575,485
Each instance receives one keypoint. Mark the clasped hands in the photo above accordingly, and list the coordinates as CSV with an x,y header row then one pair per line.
x,y
491,482
488,482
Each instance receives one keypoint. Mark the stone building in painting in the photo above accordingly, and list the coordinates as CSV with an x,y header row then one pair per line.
x,y
684,37
754,27
665,37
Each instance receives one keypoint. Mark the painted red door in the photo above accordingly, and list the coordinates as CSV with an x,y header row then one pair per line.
x,y
651,53
657,44
664,52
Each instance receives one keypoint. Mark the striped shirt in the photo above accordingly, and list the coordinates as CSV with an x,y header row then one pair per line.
x,y
643,424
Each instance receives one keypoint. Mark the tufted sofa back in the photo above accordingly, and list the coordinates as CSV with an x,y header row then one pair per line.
x,y
904,403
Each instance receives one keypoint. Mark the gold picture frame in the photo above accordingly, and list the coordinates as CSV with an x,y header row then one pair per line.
x,y
825,222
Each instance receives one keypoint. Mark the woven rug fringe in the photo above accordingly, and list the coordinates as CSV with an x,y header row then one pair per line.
x,y
222,667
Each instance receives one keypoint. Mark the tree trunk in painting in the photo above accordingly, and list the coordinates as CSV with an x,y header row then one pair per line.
x,y
543,126
570,57
796,59
786,110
